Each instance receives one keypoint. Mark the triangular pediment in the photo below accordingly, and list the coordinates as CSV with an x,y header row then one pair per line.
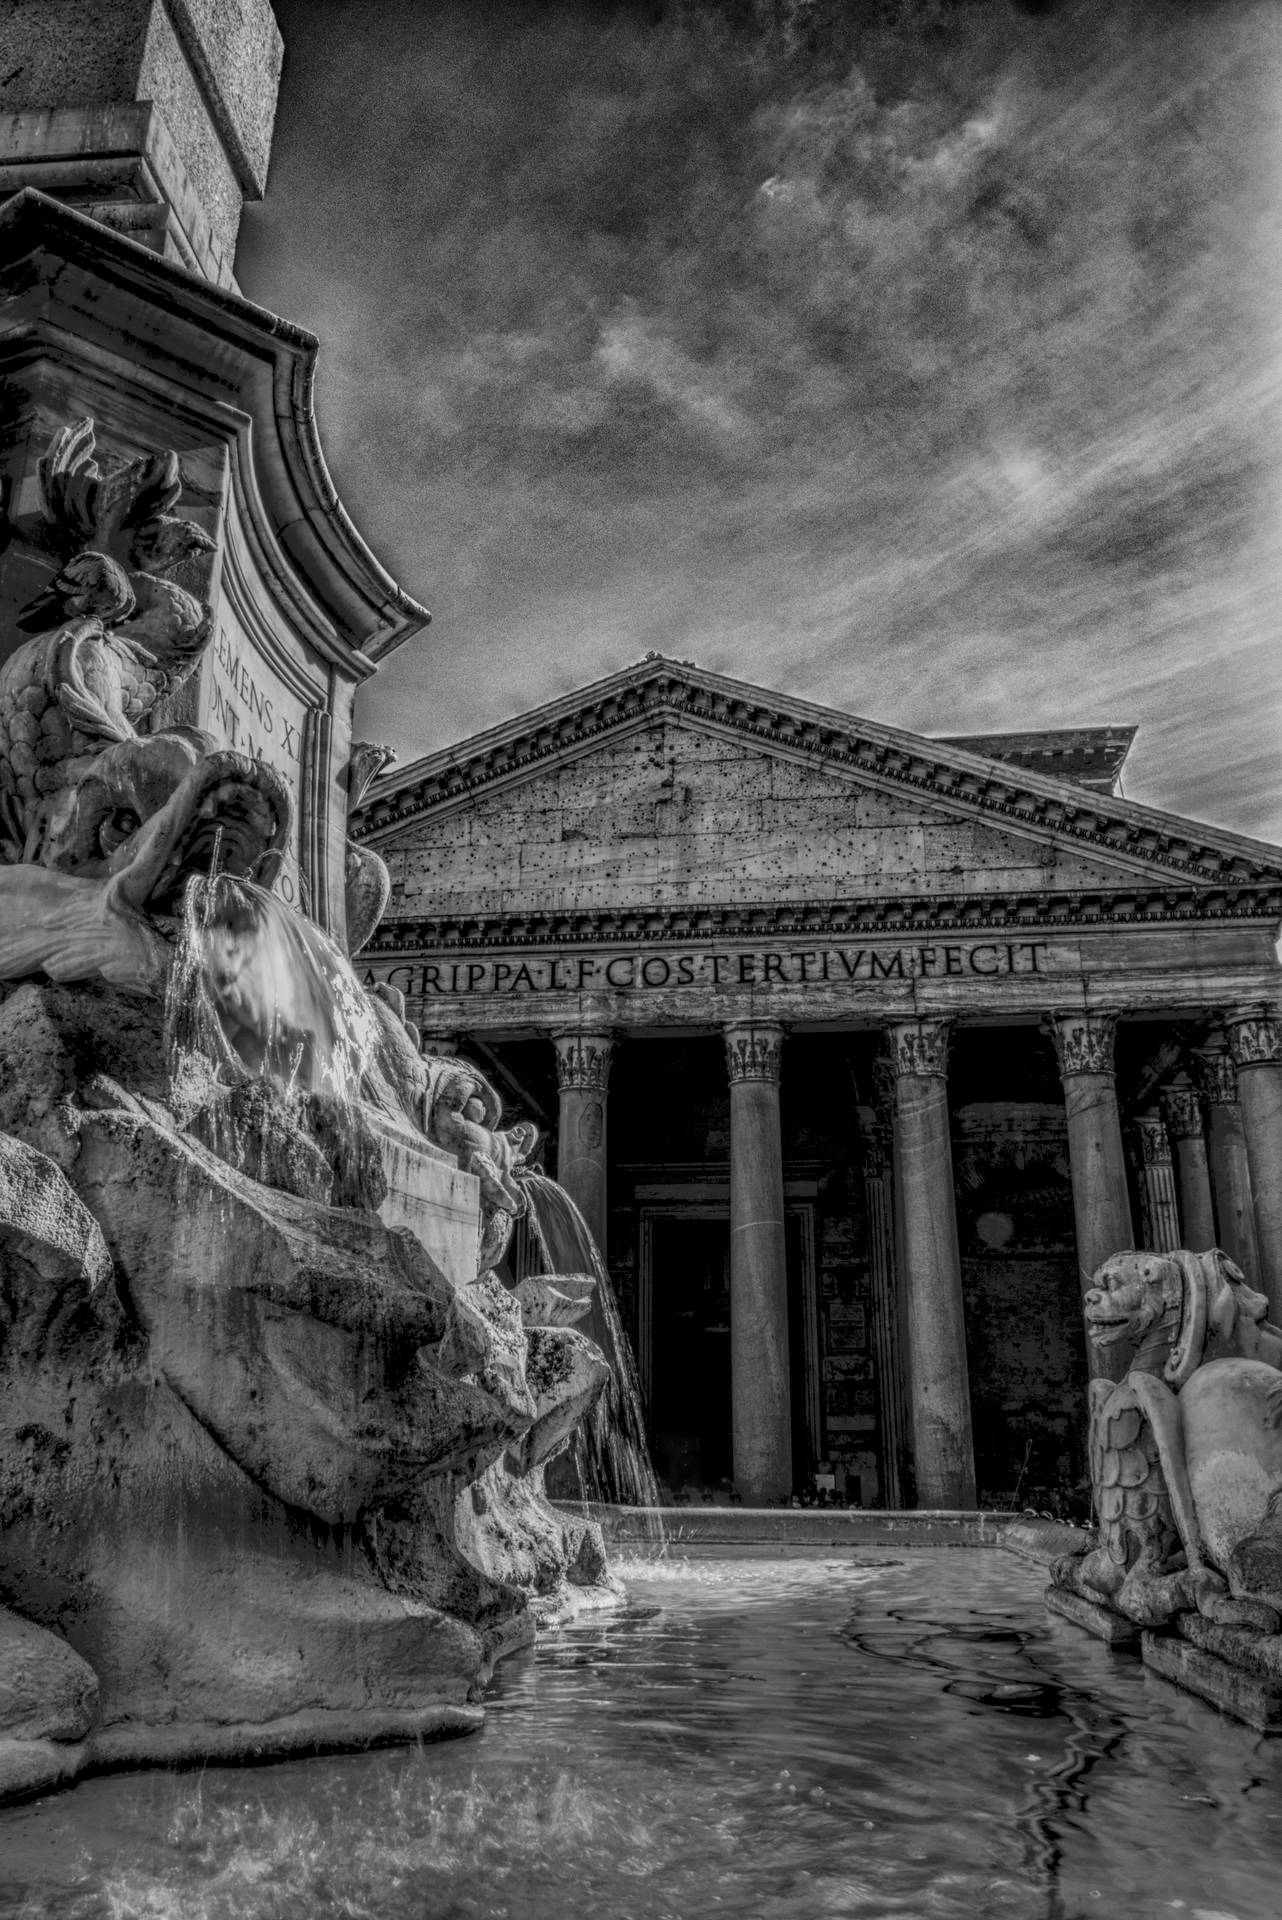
x,y
669,784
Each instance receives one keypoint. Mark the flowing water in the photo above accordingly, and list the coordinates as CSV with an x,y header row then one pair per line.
x,y
610,1451
861,1734
282,996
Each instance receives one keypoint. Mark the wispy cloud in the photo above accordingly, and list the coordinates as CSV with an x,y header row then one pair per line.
x,y
925,359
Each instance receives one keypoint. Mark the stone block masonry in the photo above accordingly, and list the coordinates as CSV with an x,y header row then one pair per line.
x,y
154,118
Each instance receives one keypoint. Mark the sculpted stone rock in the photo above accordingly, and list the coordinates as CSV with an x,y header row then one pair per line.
x,y
557,1302
47,1692
1186,1449
270,1469
414,1378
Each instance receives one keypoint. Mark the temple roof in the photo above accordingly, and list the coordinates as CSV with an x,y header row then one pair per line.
x,y
1091,756
1006,779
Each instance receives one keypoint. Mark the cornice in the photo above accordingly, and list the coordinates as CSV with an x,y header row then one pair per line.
x,y
1035,803
964,914
69,279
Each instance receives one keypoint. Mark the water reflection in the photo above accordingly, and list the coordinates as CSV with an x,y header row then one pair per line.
x,y
785,1740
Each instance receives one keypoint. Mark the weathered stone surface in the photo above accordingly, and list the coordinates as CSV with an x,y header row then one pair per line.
x,y
173,1431
1244,1695
39,1215
414,1378
47,1692
674,808
502,1527
54,1039
1043,1541
29,1767
211,69
1113,1628
555,1303
1257,1653
566,1375
1186,1459
760,1409
939,1400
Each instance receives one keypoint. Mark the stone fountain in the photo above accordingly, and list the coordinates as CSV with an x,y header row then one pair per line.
x,y
272,1432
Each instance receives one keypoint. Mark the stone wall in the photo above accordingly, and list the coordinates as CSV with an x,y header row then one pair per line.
x,y
685,816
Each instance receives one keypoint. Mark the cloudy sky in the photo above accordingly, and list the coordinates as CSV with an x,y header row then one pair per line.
x,y
921,357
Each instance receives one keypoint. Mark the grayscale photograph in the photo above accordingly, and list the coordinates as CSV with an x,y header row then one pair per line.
x,y
640,959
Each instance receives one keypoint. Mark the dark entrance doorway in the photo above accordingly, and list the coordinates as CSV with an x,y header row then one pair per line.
x,y
689,1409
685,1345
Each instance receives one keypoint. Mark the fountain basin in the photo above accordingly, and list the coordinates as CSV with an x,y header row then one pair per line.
x,y
781,1737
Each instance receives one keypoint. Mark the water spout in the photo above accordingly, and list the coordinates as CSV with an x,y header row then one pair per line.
x,y
610,1448
254,979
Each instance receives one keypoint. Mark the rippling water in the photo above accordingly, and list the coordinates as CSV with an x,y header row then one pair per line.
x,y
854,1734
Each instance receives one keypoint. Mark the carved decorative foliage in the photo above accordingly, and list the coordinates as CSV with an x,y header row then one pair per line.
x,y
754,1052
1084,1041
1216,1075
918,1046
1153,1140
1182,1112
583,1061
1255,1037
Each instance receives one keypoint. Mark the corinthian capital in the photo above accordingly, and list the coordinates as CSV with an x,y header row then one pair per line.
x,y
918,1046
582,1060
1084,1041
1215,1073
754,1050
1153,1140
1182,1112
1255,1036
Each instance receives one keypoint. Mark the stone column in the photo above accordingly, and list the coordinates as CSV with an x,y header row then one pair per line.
x,y
760,1390
880,1200
582,1075
1182,1111
1157,1184
1101,1202
1255,1043
937,1380
1226,1156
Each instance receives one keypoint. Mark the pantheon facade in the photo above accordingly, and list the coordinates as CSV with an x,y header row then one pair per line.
x,y
858,1049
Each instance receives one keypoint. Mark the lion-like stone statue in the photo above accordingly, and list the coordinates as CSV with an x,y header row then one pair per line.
x,y
1186,1449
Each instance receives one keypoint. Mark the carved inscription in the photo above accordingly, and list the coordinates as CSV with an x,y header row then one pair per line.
x,y
251,715
251,709
632,972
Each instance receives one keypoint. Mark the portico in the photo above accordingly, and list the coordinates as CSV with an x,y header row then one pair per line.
x,y
853,1045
